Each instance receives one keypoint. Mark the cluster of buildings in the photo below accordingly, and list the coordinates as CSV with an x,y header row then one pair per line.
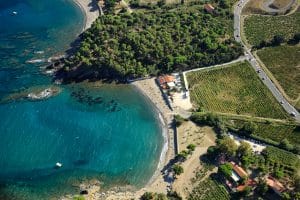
x,y
240,179
174,90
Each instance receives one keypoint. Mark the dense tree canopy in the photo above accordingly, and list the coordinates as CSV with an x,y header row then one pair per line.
x,y
227,146
156,41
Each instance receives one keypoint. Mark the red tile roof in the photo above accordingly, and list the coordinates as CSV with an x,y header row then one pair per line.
x,y
275,184
250,182
165,79
209,8
240,171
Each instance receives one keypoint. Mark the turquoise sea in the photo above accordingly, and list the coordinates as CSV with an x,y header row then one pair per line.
x,y
108,132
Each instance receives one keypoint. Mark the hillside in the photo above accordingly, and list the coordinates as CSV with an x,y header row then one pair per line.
x,y
152,41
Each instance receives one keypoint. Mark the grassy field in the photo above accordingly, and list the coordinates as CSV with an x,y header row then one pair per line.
x,y
234,89
258,28
284,64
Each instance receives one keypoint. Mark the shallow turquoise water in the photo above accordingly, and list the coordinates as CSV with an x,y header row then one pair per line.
x,y
110,133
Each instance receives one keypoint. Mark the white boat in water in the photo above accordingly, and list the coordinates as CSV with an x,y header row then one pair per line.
x,y
39,52
15,12
58,165
36,61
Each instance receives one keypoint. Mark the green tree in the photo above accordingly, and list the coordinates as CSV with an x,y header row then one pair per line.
x,y
262,187
247,190
286,196
179,120
285,144
148,196
297,37
178,169
228,146
182,156
244,149
278,173
191,147
277,40
249,128
297,196
225,169
297,183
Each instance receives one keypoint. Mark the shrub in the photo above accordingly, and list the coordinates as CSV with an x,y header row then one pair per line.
x,y
262,187
228,146
278,173
78,198
179,120
191,147
182,156
249,128
226,169
277,40
177,169
285,144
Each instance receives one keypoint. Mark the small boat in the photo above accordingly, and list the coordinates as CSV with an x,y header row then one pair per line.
x,y
15,13
58,165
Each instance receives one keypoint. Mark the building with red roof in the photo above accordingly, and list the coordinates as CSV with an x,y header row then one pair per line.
x,y
275,185
209,8
238,170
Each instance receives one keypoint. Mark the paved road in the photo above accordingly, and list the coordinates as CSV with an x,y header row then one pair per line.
x,y
262,75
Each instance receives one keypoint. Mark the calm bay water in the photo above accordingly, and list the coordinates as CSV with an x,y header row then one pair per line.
x,y
108,132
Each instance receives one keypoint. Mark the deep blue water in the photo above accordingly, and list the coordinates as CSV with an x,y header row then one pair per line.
x,y
109,132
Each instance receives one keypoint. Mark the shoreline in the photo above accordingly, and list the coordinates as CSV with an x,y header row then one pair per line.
x,y
157,182
165,134
90,10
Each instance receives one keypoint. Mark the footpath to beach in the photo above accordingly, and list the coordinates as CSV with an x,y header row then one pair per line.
x,y
90,10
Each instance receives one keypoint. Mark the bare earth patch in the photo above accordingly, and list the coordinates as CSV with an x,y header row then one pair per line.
x,y
203,137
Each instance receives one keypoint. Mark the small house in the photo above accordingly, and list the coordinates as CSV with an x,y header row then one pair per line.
x,y
275,185
238,172
166,81
209,8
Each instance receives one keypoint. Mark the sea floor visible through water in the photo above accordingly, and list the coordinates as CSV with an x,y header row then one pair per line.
x,y
106,132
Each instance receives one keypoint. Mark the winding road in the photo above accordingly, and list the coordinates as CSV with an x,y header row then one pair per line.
x,y
254,63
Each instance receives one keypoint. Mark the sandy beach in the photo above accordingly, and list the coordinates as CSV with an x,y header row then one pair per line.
x,y
90,10
158,183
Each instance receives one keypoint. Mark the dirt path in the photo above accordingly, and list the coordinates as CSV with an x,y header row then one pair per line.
x,y
267,7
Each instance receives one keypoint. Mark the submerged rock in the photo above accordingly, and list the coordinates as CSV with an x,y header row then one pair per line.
x,y
34,94
48,92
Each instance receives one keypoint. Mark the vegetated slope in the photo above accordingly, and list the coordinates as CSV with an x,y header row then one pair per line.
x,y
282,157
233,89
284,63
260,28
155,41
272,133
